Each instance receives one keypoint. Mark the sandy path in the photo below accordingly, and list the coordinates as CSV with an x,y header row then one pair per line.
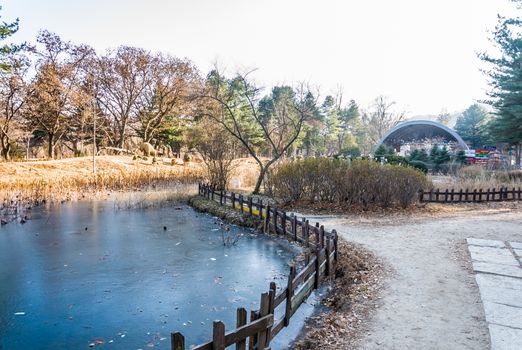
x,y
430,300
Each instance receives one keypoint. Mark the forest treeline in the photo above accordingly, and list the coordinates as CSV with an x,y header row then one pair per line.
x,y
57,95
60,98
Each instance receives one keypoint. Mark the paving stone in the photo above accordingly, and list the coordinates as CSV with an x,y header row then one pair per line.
x,y
504,315
499,277
485,242
486,280
505,338
516,245
506,270
501,296
493,255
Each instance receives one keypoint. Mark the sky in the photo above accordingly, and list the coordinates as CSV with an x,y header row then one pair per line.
x,y
421,54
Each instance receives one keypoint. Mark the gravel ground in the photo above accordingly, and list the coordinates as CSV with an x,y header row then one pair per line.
x,y
430,298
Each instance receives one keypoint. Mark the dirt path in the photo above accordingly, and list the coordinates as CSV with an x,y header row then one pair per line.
x,y
430,300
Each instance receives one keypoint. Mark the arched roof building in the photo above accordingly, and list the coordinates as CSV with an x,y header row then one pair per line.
x,y
418,130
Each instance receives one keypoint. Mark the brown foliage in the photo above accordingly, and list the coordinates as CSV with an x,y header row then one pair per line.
x,y
360,183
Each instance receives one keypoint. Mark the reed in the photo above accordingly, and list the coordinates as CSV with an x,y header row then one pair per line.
x,y
36,189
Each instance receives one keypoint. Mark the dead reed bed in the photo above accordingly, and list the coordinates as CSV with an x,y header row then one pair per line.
x,y
30,183
478,177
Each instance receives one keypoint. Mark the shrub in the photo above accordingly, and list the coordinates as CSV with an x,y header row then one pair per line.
x,y
361,183
419,165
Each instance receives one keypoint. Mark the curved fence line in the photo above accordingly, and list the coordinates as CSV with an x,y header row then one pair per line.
x,y
256,331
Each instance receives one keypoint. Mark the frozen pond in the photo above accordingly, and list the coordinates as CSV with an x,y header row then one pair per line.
x,y
86,273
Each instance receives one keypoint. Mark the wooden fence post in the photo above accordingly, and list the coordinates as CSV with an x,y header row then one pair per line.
x,y
267,219
275,220
294,226
303,228
317,267
199,188
263,311
241,203
233,195
289,294
260,207
321,236
317,238
283,219
271,310
307,234
437,192
177,341
241,320
252,341
250,206
328,251
421,195
218,336
334,232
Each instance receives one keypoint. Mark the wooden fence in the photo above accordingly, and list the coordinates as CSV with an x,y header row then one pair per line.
x,y
471,196
256,331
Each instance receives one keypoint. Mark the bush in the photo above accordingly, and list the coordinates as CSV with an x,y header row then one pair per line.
x,y
361,183
419,165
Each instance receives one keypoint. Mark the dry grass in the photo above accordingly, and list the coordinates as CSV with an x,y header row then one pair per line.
x,y
73,178
476,177
245,174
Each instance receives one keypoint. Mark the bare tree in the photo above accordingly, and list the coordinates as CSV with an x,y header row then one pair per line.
x,y
13,97
122,76
216,146
381,118
444,117
167,95
234,105
55,88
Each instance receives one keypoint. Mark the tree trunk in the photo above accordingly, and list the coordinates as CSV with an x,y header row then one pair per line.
x,y
6,148
262,173
50,146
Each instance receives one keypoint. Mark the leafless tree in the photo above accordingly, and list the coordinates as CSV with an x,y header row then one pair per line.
x,y
234,106
380,118
54,90
13,97
122,76
216,146
166,96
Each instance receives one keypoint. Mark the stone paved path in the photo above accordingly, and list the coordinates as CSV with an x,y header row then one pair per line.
x,y
498,269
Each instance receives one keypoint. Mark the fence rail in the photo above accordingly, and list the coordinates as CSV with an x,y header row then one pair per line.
x,y
471,196
319,263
